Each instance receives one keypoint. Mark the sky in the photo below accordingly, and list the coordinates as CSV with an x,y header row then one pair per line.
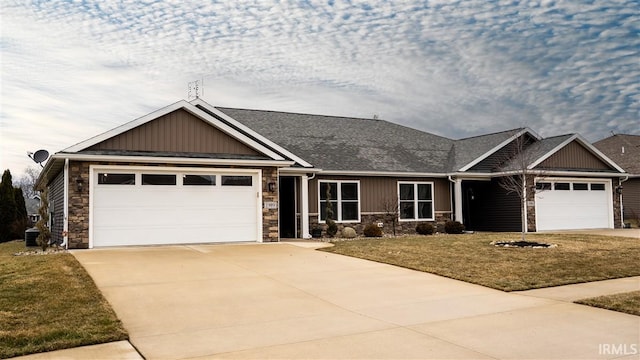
x,y
73,69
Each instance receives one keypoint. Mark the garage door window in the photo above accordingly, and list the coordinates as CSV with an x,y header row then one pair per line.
x,y
237,180
562,186
158,179
580,186
116,179
199,180
597,187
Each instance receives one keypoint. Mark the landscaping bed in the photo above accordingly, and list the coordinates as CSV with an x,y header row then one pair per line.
x,y
49,302
473,258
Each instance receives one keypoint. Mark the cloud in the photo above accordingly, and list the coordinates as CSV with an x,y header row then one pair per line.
x,y
455,68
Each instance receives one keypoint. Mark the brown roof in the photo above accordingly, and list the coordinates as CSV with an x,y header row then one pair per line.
x,y
624,150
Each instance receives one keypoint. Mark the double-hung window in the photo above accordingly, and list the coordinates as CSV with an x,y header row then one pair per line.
x,y
345,200
415,200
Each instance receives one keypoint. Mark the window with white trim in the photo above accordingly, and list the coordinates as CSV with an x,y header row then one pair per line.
x,y
345,199
415,200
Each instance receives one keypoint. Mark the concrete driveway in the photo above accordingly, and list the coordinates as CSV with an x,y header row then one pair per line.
x,y
283,301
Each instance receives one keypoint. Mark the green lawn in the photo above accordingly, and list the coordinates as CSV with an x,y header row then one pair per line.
x,y
49,302
471,258
625,302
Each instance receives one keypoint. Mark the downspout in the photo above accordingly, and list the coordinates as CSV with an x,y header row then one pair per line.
x,y
525,219
620,181
451,189
65,221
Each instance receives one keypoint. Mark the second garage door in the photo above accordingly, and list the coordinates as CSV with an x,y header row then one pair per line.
x,y
150,207
563,204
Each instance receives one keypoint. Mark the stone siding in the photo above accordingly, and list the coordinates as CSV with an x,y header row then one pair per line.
x,y
270,224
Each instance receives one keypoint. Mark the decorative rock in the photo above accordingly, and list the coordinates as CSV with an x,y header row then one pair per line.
x,y
348,232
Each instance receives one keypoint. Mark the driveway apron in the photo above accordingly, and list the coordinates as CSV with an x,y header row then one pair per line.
x,y
283,301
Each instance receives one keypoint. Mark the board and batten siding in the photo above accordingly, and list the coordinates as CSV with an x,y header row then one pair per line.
x,y
375,189
178,131
574,156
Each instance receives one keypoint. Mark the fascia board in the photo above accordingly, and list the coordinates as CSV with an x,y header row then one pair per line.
x,y
249,131
380,173
584,143
560,173
171,160
498,147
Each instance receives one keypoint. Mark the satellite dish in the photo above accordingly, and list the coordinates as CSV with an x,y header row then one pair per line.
x,y
39,156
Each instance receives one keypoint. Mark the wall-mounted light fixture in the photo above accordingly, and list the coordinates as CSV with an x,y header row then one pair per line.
x,y
271,186
79,184
619,189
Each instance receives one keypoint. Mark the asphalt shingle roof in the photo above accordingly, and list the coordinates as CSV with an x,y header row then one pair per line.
x,y
468,149
612,148
349,144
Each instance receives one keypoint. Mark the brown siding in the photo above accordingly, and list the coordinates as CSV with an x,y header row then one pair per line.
x,y
631,198
374,190
178,131
574,156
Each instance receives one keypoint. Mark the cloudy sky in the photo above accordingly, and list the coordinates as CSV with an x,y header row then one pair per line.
x,y
73,69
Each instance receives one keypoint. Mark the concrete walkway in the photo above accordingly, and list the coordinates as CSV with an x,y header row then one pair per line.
x,y
575,292
119,350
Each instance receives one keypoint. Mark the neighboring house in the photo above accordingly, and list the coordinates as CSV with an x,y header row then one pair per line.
x,y
195,173
33,205
625,151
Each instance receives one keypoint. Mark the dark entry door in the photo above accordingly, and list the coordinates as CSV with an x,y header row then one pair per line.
x,y
287,207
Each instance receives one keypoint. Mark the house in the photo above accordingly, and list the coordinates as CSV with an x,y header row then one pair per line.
x,y
625,150
194,173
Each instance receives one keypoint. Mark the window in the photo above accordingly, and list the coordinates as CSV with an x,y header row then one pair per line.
x,y
415,201
580,186
158,179
345,200
228,180
561,186
597,187
116,179
543,186
199,180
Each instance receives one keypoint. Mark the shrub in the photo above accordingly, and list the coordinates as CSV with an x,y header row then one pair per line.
x,y
372,230
332,228
348,232
453,227
424,229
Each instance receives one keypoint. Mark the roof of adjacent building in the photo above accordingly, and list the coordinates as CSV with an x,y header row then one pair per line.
x,y
624,150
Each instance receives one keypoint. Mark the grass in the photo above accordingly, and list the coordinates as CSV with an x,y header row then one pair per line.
x,y
625,302
471,258
49,302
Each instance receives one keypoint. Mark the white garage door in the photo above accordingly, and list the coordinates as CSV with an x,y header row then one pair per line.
x,y
563,204
150,207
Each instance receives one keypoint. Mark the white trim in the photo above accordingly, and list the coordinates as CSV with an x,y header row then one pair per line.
x,y
182,104
95,168
584,143
416,200
457,191
65,209
175,160
304,193
498,147
338,211
249,131
380,173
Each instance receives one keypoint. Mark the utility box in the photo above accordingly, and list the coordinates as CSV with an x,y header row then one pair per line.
x,y
31,237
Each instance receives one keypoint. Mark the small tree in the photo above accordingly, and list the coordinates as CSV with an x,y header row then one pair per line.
x,y
45,234
332,228
7,207
391,210
517,163
27,182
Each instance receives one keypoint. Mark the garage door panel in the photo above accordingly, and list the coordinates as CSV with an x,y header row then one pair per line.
x,y
174,214
573,209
